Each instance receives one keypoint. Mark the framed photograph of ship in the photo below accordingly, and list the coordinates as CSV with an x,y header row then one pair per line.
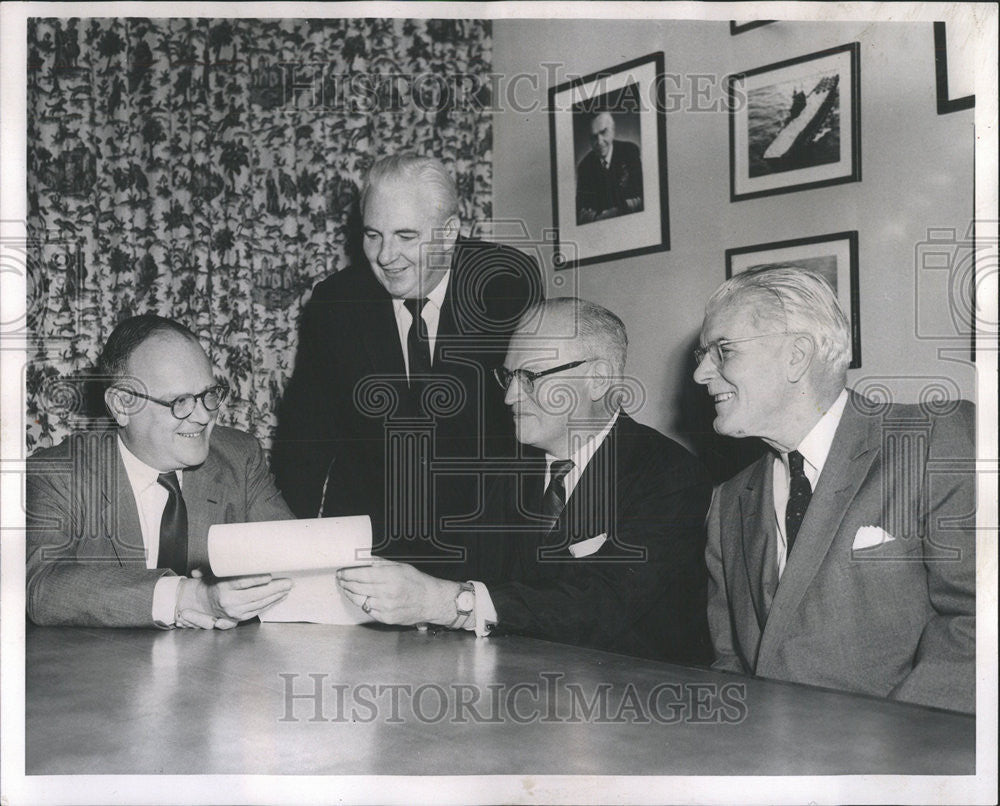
x,y
608,139
795,125
834,257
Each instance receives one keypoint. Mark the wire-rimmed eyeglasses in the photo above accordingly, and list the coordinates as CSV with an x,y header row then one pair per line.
x,y
714,349
526,377
183,406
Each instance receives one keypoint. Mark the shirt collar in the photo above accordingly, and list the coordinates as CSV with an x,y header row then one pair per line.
x,y
140,475
815,446
585,452
434,297
611,151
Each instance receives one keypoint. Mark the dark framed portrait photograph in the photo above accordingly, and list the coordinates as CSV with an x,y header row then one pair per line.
x,y
796,124
607,137
834,257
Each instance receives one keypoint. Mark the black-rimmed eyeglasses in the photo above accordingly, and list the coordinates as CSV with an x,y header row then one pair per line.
x,y
183,406
527,378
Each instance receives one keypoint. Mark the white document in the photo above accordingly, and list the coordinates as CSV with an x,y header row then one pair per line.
x,y
306,551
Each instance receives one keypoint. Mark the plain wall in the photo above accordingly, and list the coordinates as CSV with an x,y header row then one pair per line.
x,y
916,174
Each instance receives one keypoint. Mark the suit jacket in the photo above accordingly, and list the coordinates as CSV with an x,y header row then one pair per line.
x,y
600,190
895,619
348,403
85,558
642,592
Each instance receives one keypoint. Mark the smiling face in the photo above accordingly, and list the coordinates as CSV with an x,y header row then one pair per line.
x,y
602,134
751,392
167,365
399,239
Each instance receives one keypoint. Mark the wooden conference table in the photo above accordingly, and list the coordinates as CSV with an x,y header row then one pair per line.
x,y
324,700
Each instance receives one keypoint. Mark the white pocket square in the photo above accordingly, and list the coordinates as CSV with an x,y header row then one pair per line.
x,y
588,546
869,536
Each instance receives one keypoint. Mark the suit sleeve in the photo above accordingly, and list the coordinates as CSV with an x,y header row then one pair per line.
x,y
63,589
944,666
596,601
305,443
719,617
264,502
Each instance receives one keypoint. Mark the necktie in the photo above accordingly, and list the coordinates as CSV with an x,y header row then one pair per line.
x,y
554,498
799,493
418,345
173,527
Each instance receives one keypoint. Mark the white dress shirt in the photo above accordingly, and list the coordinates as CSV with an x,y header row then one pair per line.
x,y
815,448
150,501
485,613
431,314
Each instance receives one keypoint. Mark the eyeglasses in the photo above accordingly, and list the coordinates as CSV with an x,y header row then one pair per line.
x,y
714,348
526,377
183,407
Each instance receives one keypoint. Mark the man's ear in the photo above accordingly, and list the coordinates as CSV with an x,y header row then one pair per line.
x,y
602,378
114,399
801,354
448,231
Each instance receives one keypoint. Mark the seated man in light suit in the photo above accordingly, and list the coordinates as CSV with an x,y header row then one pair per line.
x,y
599,541
117,521
846,556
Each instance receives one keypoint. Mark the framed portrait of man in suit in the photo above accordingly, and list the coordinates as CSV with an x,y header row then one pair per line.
x,y
608,142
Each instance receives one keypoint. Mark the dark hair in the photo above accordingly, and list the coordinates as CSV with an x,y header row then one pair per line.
x,y
126,338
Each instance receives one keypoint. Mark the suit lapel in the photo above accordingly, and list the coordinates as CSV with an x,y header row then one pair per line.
x,y
851,455
589,508
204,497
376,327
758,538
119,513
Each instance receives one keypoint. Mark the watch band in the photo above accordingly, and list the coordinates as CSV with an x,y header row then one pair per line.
x,y
462,616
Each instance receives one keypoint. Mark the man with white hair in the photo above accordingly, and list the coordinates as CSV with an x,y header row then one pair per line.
x,y
391,385
609,177
600,541
845,557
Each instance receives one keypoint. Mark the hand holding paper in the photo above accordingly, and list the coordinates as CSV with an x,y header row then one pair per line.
x,y
308,552
395,593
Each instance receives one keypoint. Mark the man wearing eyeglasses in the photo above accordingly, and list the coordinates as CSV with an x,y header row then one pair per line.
x,y
845,557
117,521
599,542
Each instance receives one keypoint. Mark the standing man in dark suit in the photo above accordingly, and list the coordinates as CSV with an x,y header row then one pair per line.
x,y
600,541
609,177
845,557
117,521
390,411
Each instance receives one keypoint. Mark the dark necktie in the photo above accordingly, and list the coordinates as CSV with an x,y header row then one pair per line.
x,y
173,527
799,493
418,344
554,498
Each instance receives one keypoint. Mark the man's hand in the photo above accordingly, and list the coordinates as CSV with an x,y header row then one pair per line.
x,y
226,602
399,594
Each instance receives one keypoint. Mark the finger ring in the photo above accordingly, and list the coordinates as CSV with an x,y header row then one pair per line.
x,y
365,606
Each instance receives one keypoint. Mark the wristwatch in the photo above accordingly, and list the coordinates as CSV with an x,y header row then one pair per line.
x,y
465,604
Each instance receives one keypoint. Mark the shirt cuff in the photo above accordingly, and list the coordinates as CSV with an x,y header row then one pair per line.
x,y
486,613
165,600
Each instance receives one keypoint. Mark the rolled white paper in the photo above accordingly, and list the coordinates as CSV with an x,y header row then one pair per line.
x,y
306,551
268,547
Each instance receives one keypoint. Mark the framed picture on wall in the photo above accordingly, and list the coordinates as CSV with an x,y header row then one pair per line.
x,y
796,124
608,140
958,58
739,26
834,257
